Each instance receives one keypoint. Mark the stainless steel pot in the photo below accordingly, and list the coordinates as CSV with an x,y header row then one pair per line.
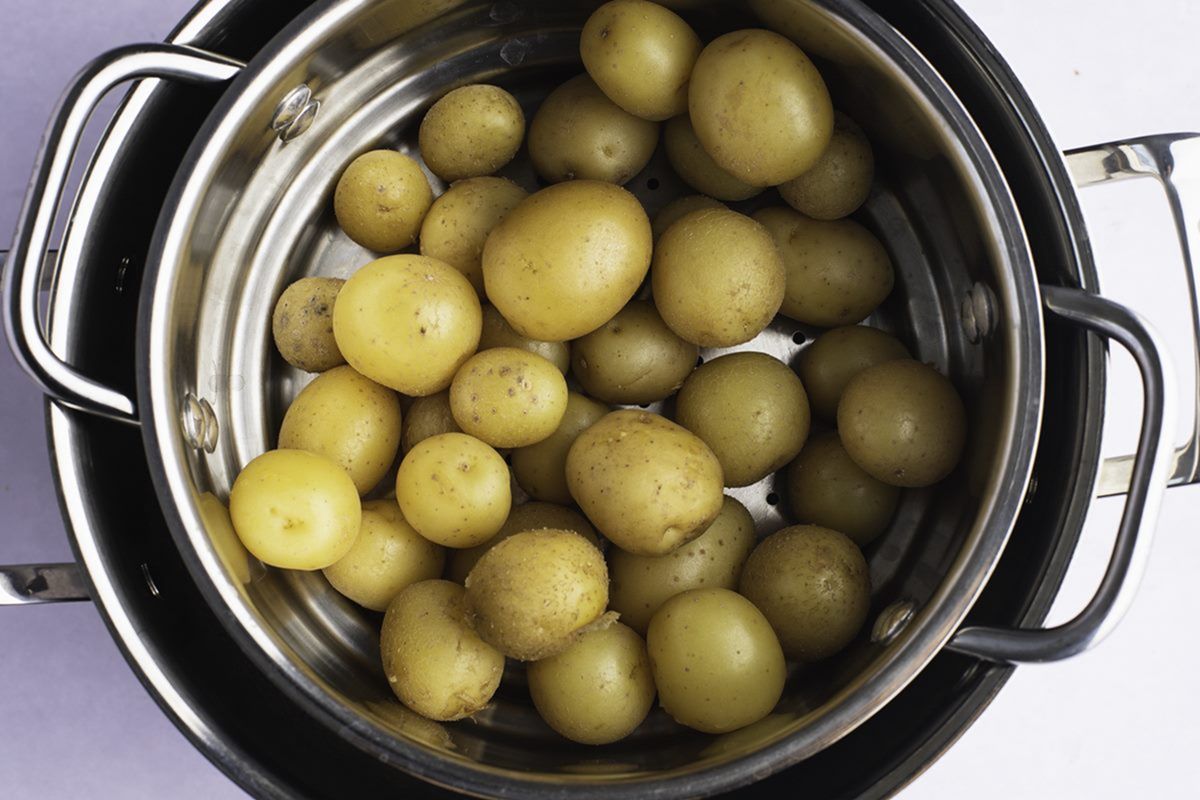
x,y
247,214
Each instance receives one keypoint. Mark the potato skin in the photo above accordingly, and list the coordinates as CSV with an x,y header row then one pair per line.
x,y
838,184
541,469
814,587
646,483
302,324
903,422
632,358
759,107
531,594
716,662
678,209
825,487
641,584
434,662
567,259
408,322
381,200
598,690
696,167
508,397
829,363
427,416
717,278
579,134
641,56
460,220
837,272
525,517
498,333
471,131
295,509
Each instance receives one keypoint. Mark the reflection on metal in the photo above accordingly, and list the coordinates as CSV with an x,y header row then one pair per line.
x,y
200,426
295,113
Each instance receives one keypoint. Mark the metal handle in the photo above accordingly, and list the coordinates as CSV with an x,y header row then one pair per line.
x,y
28,584
1150,472
1173,159
51,168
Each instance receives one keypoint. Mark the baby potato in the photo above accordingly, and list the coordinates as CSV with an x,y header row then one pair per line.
x,y
716,662
647,484
632,358
381,199
426,417
434,662
827,488
408,322
828,364
813,586
695,166
717,278
837,272
840,181
460,220
295,509
498,333
224,539
472,131
387,556
525,517
541,469
508,397
567,259
678,209
759,107
641,584
903,422
348,419
302,324
454,490
641,56
750,409
579,134
531,594
598,690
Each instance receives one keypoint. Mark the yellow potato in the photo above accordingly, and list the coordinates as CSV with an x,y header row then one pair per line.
x,y
460,220
525,517
427,416
295,509
840,181
829,363
224,538
408,322
692,162
498,333
508,397
825,487
678,209
381,199
541,469
454,490
472,131
302,324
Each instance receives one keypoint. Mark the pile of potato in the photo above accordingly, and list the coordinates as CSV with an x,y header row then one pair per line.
x,y
521,322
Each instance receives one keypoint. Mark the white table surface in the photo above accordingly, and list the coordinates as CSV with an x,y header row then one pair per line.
x,y
1122,721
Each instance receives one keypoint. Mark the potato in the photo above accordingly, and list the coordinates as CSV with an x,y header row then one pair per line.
x,y
454,490
302,324
525,517
381,199
472,131
903,422
641,584
750,409
579,134
678,209
567,259
641,56
598,690
387,556
295,509
348,419
498,333
716,662
434,662
695,166
426,417
460,220
840,181
508,397
224,539
813,586
717,278
408,322
759,107
837,272
825,487
541,469
647,484
531,594
632,358
828,364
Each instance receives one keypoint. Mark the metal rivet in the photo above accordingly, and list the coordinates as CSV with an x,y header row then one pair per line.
x,y
295,113
150,584
891,621
978,313
1031,490
122,270
505,12
513,52
200,426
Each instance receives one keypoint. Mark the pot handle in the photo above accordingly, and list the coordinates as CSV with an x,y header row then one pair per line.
x,y
51,168
1173,159
1151,470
